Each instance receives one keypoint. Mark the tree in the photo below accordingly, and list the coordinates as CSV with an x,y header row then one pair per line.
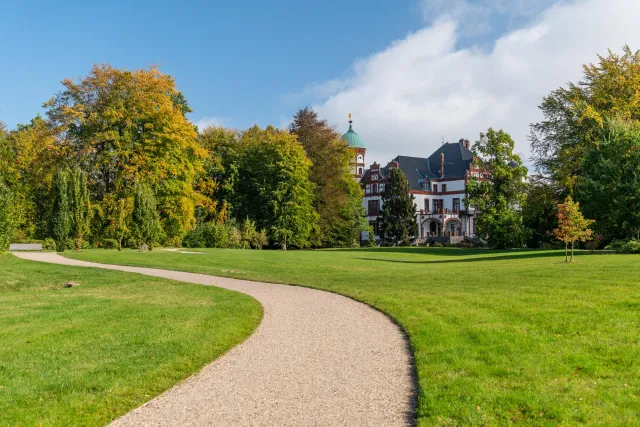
x,y
337,196
572,227
119,219
128,126
79,206
539,212
273,187
8,217
500,198
574,116
61,213
248,232
398,221
609,186
145,224
29,158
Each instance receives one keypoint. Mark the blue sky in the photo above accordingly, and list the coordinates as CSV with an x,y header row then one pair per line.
x,y
233,60
413,72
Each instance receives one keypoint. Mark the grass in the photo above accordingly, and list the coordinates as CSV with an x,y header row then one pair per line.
x,y
498,337
85,355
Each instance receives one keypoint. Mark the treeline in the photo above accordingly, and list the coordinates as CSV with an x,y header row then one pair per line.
x,y
117,163
588,147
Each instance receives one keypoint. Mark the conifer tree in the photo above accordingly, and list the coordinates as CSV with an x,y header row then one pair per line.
x,y
61,214
145,221
8,217
79,207
398,209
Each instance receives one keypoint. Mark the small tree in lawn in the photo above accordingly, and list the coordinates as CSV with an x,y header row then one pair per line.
x,y
145,223
572,226
398,210
61,214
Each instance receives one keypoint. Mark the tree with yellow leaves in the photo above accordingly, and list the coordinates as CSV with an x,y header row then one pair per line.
x,y
572,226
127,126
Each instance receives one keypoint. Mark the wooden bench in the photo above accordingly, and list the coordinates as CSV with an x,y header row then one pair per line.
x,y
15,247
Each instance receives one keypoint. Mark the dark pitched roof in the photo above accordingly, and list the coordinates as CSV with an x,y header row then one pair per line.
x,y
457,160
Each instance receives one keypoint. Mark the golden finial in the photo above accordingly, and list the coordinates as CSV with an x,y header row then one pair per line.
x,y
350,117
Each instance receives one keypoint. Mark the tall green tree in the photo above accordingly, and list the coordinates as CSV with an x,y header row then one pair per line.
x,y
540,209
127,126
273,186
499,199
145,223
337,195
609,186
574,115
79,206
398,221
8,217
61,213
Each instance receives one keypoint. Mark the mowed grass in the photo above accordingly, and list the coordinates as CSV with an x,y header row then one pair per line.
x,y
498,337
85,355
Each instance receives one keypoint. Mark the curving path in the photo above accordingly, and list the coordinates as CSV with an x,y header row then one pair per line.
x,y
317,358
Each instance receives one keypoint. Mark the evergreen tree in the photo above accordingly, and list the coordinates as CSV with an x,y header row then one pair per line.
x,y
145,222
8,217
500,198
79,206
398,209
61,213
337,196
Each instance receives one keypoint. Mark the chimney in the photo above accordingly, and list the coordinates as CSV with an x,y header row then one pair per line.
x,y
464,143
441,164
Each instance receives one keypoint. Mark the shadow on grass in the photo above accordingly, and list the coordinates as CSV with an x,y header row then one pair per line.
x,y
514,255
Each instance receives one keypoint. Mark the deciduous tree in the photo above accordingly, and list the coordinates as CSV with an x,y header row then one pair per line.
x,y
499,199
337,196
8,217
572,227
128,126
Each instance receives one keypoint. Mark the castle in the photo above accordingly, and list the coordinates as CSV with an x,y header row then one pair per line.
x,y
437,182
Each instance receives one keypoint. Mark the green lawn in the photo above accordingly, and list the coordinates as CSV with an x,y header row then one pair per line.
x,y
499,337
85,355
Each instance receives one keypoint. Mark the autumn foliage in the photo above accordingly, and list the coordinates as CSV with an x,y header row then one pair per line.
x,y
572,226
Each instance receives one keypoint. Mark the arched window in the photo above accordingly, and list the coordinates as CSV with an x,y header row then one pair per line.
x,y
359,171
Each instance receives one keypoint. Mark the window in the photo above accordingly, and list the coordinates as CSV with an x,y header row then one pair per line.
x,y
359,171
435,188
368,189
374,207
444,188
381,187
375,188
437,205
456,205
374,177
426,205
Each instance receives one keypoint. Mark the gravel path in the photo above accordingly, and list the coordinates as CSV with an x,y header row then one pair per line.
x,y
317,359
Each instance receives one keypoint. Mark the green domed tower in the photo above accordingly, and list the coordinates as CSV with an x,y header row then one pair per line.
x,y
354,141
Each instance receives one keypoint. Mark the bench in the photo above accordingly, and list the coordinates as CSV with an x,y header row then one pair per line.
x,y
14,247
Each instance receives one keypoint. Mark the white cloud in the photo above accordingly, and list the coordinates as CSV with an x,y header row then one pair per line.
x,y
423,88
205,122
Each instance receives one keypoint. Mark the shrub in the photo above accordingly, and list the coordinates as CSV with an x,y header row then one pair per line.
x,y
630,246
436,245
234,237
109,244
8,217
259,240
49,244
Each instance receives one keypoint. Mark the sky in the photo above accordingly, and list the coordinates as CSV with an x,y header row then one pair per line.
x,y
414,73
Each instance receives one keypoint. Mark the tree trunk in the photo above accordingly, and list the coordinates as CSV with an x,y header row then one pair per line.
x,y
566,252
571,251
